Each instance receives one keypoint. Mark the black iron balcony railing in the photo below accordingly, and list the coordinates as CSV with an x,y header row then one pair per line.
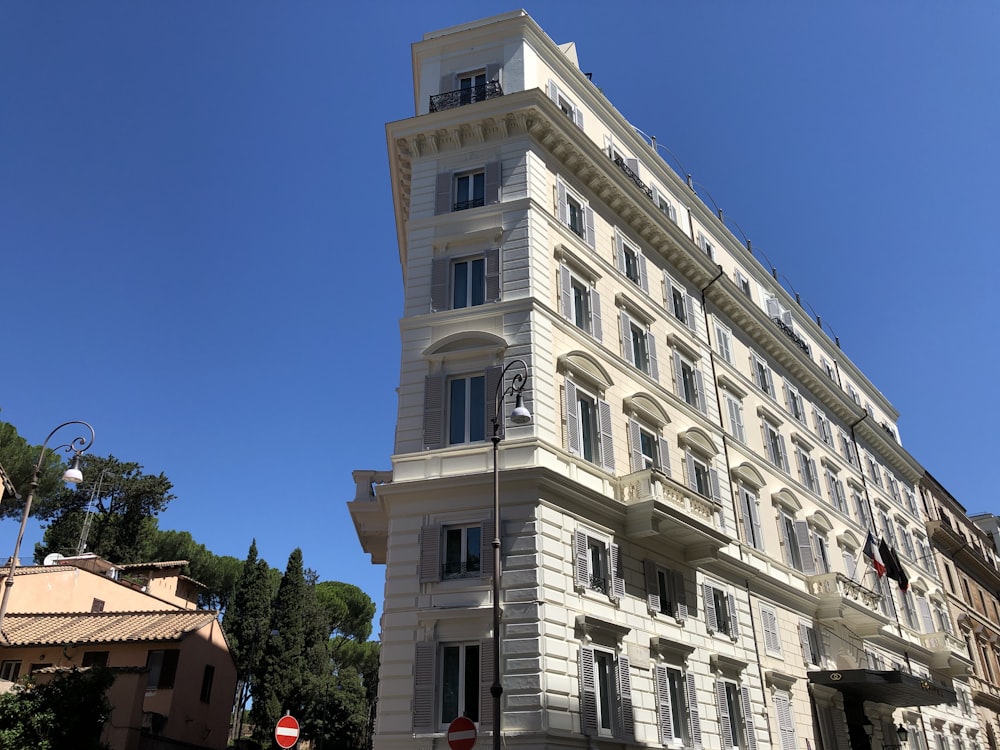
x,y
473,203
633,176
802,343
469,569
461,97
599,583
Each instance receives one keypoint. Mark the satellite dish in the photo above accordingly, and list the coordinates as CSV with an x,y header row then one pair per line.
x,y
52,558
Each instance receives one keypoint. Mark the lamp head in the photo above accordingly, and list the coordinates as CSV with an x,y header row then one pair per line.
x,y
73,475
902,734
520,415
869,728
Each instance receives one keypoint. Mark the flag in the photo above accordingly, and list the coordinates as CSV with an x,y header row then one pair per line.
x,y
893,567
871,551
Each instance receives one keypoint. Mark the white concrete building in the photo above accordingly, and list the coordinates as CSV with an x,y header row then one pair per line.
x,y
682,521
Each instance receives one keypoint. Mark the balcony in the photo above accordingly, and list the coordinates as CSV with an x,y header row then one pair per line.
x,y
369,515
630,173
461,97
956,545
985,693
848,602
949,654
658,506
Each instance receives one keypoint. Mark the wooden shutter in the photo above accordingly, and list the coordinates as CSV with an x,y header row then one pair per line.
x,y
562,206
678,592
736,419
643,277
442,193
440,276
803,538
553,91
491,181
423,687
492,273
595,315
804,643
786,729
664,449
773,308
769,624
607,446
578,117
678,376
634,446
925,614
434,411
784,452
654,369
430,553
485,683
723,705
486,549
751,534
713,478
734,623
588,692
566,292
694,718
619,251
491,380
692,475
748,718
572,419
699,387
711,617
665,710
652,586
616,573
588,213
581,573
626,331
625,697
691,318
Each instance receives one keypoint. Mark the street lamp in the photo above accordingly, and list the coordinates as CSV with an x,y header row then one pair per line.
x,y
520,415
73,475
902,734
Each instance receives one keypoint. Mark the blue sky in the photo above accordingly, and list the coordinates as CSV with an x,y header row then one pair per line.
x,y
199,253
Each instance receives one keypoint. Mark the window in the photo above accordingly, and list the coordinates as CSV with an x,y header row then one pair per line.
x,y
456,551
820,552
472,87
468,281
735,409
706,246
680,303
907,540
207,678
724,342
605,693
769,625
853,393
466,409
701,477
665,591
786,725
793,400
575,213
458,191
779,314
823,430
10,669
647,449
588,427
162,666
94,659
762,375
797,539
743,283
861,508
836,488
911,501
459,681
774,444
893,486
597,564
638,345
873,473
828,368
451,679
888,530
751,518
926,618
735,716
569,109
581,304
664,204
720,611
470,190
809,640
688,382
847,448
808,474
631,262
677,707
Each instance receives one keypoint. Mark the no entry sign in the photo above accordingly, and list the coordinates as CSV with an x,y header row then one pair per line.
x,y
286,733
461,734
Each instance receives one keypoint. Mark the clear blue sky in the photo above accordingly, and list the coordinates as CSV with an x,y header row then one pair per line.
x,y
199,255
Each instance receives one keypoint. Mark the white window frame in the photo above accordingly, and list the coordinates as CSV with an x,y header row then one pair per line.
x,y
848,449
838,496
689,388
468,551
811,643
793,400
570,202
824,431
721,611
468,196
808,473
580,302
774,445
470,408
565,104
605,699
734,410
762,376
724,341
597,564
797,539
664,203
630,261
638,344
666,591
588,433
706,245
680,303
647,448
462,689
735,716
750,512
677,706
743,282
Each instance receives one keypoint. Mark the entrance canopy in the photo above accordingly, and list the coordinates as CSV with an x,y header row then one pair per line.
x,y
894,688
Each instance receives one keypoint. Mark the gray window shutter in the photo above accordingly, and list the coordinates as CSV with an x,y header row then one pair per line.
x,y
711,618
566,292
553,91
440,268
626,331
634,446
491,179
749,527
713,476
755,520
561,204
656,195
799,459
770,382
486,549
784,453
485,682
804,643
748,718
767,444
691,320
591,236
643,278
442,199
434,411
723,705
619,251
773,308
786,728
678,376
769,623
925,614
692,477
595,314
699,386
633,164
654,369
665,710
617,572
803,538
493,72
492,381
694,718
664,449
492,263
625,697
572,420
679,593
588,692
578,117
652,587
430,553
423,687
734,624
607,446
581,578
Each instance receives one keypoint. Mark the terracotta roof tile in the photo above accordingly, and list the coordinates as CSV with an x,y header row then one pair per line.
x,y
21,629
163,564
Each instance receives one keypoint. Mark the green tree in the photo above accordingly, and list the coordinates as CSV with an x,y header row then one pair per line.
x,y
349,609
219,574
18,458
123,503
69,711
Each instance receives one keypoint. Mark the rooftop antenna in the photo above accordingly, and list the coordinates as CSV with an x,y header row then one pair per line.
x,y
85,531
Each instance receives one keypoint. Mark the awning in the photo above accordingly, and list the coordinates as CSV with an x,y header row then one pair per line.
x,y
894,688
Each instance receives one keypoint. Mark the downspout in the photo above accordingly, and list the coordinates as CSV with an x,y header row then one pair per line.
x,y
760,669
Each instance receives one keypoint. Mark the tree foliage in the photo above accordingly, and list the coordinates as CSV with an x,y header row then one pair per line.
x,y
69,711
219,574
18,458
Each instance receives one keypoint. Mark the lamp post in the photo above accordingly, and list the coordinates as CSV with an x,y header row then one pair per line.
x,y
520,415
73,475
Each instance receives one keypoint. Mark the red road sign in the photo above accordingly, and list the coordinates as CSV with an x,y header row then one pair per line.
x,y
286,733
461,734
